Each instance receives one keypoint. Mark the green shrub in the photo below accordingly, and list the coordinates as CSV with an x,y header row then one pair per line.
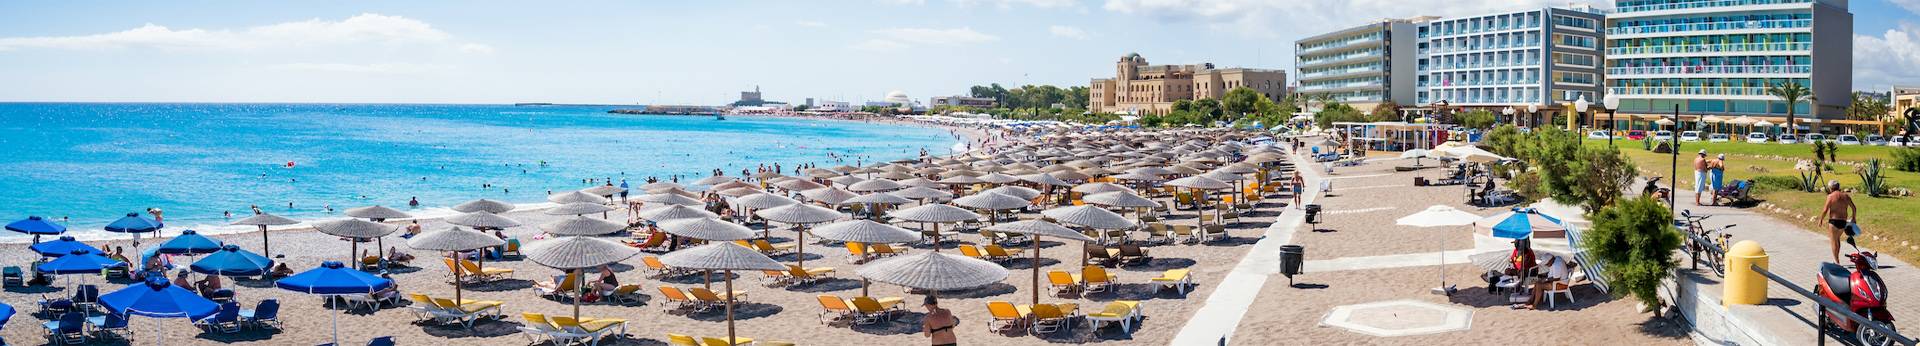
x,y
1527,185
1906,159
1874,183
1777,182
1605,173
1636,240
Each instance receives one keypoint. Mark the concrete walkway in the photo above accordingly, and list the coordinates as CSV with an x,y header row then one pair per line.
x,y
1214,322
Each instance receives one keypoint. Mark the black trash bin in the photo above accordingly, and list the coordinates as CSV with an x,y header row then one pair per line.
x,y
1291,257
1313,214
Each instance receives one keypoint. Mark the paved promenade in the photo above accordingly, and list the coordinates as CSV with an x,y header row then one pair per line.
x,y
1215,322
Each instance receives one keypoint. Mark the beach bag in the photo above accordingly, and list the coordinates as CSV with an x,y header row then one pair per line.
x,y
590,297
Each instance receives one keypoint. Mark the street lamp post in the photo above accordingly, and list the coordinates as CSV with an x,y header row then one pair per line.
x,y
1612,102
1509,113
1533,114
1579,107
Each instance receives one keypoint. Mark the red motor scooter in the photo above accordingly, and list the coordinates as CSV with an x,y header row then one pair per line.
x,y
1862,291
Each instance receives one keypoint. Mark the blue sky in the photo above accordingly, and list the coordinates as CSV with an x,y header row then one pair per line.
x,y
691,52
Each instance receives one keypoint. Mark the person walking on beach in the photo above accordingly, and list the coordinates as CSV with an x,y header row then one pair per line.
x,y
623,189
938,324
1840,213
1699,176
1298,188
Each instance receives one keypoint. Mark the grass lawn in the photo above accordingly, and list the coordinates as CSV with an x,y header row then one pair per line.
x,y
1888,217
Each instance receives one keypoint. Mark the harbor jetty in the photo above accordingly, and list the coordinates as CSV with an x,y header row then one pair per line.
x,y
670,110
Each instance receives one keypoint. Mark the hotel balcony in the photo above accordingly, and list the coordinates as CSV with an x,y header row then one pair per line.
x,y
1709,49
1656,30
1338,87
1336,59
1343,72
1705,7
1357,42
1644,71
1691,92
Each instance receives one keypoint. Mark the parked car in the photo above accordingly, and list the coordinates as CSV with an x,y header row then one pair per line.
x,y
1816,137
1597,134
1662,135
1849,140
1876,140
1898,141
1913,141
1718,138
1756,137
1636,135
1788,139
1690,136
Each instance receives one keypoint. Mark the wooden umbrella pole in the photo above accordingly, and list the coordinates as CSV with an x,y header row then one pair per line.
x,y
456,277
266,249
1035,239
731,340
800,252
936,237
577,291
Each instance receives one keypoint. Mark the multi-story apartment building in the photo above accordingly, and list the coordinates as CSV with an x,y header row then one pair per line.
x,y
1361,66
1542,57
1140,88
1718,57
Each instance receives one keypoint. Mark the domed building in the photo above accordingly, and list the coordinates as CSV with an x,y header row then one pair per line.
x,y
899,98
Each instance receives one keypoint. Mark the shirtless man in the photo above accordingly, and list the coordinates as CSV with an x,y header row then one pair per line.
x,y
1699,176
1840,213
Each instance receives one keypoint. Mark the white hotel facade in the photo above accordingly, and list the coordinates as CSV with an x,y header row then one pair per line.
x,y
1710,57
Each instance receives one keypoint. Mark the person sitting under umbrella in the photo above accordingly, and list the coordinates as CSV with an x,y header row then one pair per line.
x,y
118,255
608,281
391,292
394,254
281,270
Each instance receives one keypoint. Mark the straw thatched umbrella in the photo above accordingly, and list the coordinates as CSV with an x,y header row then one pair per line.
x,y
353,230
726,257
454,239
961,180
581,226
1093,188
707,228
729,185
263,220
714,180
830,195
918,182
921,193
1119,199
875,185
845,180
482,221
1198,183
740,191
762,201
674,212
604,190
662,185
1089,216
668,198
1020,192
865,232
800,215
993,202
577,197
486,205
1037,229
936,214
577,208
377,213
934,272
576,253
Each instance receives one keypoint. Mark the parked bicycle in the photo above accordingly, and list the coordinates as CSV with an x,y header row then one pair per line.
x,y
1708,246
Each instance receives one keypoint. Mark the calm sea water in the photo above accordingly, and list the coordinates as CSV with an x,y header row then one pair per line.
x,y
91,162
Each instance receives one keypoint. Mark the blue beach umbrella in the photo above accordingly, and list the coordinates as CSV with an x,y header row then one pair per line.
x,y
66,245
37,227
190,243
134,224
158,298
1520,223
333,278
79,262
232,261
6,313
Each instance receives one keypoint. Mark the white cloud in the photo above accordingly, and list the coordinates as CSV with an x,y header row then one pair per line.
x,y
375,68
956,36
1067,32
360,29
810,24
1283,19
1887,60
1011,3
879,45
476,48
1910,5
903,2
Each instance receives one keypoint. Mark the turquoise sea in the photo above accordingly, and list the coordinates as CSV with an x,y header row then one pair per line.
x,y
90,163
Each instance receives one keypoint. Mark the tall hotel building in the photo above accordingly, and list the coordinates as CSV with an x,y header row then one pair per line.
x,y
1361,66
1543,57
1719,57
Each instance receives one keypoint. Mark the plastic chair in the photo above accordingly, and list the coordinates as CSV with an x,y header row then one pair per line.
x,y
265,313
109,324
69,328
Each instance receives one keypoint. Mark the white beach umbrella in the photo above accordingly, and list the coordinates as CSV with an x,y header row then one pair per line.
x,y
263,220
763,201
482,219
798,185
1439,216
1093,188
993,202
662,185
486,205
1089,216
1119,199
668,198
936,214
714,180
1044,179
921,192
581,225
1021,192
707,228
934,271
877,198
1037,229
726,257
604,190
875,185
454,239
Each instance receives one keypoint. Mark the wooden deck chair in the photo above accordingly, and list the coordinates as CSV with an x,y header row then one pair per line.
x,y
777,278
1062,282
1179,279
1004,317
834,308
468,313
998,253
678,300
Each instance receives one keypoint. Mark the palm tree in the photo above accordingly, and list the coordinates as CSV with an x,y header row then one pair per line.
x,y
1792,93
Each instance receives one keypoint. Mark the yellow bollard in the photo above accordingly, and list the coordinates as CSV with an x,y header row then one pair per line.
x,y
1743,285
